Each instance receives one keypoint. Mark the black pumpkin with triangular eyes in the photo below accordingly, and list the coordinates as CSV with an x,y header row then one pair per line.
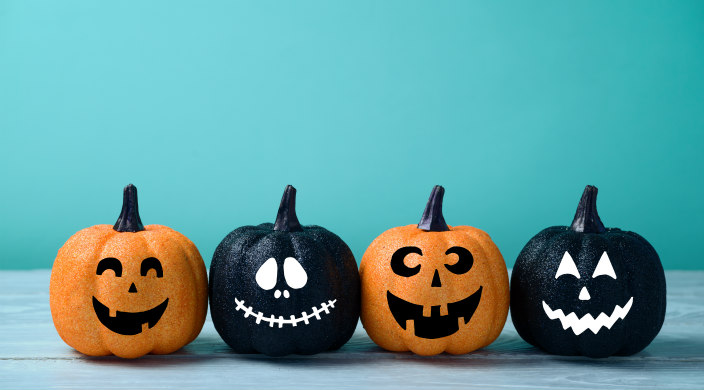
x,y
588,290
284,288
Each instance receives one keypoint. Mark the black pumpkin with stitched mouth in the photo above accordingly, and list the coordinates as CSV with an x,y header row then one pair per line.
x,y
436,325
284,288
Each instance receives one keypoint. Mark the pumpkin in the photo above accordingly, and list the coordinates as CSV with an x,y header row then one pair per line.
x,y
432,288
128,289
588,290
284,288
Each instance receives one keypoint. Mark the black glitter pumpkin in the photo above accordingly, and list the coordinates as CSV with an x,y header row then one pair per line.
x,y
284,288
588,290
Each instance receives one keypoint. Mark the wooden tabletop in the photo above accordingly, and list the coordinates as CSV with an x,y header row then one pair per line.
x,y
33,356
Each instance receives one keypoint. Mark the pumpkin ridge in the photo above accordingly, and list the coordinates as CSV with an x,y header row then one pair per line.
x,y
103,332
73,251
200,276
227,250
470,233
236,245
296,247
491,251
144,237
544,239
99,248
319,238
148,237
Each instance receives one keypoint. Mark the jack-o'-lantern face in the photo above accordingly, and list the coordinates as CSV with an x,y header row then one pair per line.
x,y
433,288
586,289
605,314
446,318
277,297
130,322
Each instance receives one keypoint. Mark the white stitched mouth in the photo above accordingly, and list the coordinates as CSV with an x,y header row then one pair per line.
x,y
579,325
325,308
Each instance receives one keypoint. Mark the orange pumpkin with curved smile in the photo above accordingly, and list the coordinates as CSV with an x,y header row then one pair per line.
x,y
128,289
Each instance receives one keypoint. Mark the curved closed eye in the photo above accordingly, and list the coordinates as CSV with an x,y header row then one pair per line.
x,y
266,275
464,262
109,263
399,267
567,266
151,263
604,267
296,277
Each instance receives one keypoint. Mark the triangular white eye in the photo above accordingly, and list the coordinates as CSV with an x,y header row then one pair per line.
x,y
267,273
294,273
567,266
604,267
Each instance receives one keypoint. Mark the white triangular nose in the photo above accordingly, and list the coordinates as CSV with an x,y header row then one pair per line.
x,y
584,295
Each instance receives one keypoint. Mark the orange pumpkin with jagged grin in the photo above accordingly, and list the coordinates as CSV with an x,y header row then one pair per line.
x,y
128,289
432,288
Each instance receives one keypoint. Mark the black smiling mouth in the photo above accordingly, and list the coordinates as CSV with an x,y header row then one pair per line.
x,y
126,323
435,326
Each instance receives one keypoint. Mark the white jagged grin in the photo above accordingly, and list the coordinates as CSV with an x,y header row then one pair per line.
x,y
579,325
325,308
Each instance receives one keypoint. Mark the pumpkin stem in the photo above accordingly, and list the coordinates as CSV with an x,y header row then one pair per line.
x,y
129,220
286,219
432,219
586,219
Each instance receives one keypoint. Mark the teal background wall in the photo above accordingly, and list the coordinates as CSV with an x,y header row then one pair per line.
x,y
211,108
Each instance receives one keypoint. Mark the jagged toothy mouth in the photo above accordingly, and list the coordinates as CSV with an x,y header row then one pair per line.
x,y
436,325
579,325
126,323
293,320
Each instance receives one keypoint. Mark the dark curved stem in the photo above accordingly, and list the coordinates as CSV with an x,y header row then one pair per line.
x,y
432,219
586,219
286,219
129,220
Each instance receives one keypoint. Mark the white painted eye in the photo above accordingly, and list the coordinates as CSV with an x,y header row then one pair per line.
x,y
604,267
266,275
294,273
567,266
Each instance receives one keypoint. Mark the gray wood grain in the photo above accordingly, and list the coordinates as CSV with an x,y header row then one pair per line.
x,y
33,356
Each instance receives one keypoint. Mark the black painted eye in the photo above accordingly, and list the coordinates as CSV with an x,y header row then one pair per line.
x,y
464,262
109,263
151,263
399,267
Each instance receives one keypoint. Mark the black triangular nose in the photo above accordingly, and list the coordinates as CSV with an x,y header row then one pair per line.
x,y
436,280
133,288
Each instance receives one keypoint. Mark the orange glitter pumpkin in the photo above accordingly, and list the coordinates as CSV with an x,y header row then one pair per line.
x,y
432,288
128,289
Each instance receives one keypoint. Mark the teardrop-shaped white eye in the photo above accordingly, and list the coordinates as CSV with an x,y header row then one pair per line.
x,y
266,275
296,276
567,266
604,267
